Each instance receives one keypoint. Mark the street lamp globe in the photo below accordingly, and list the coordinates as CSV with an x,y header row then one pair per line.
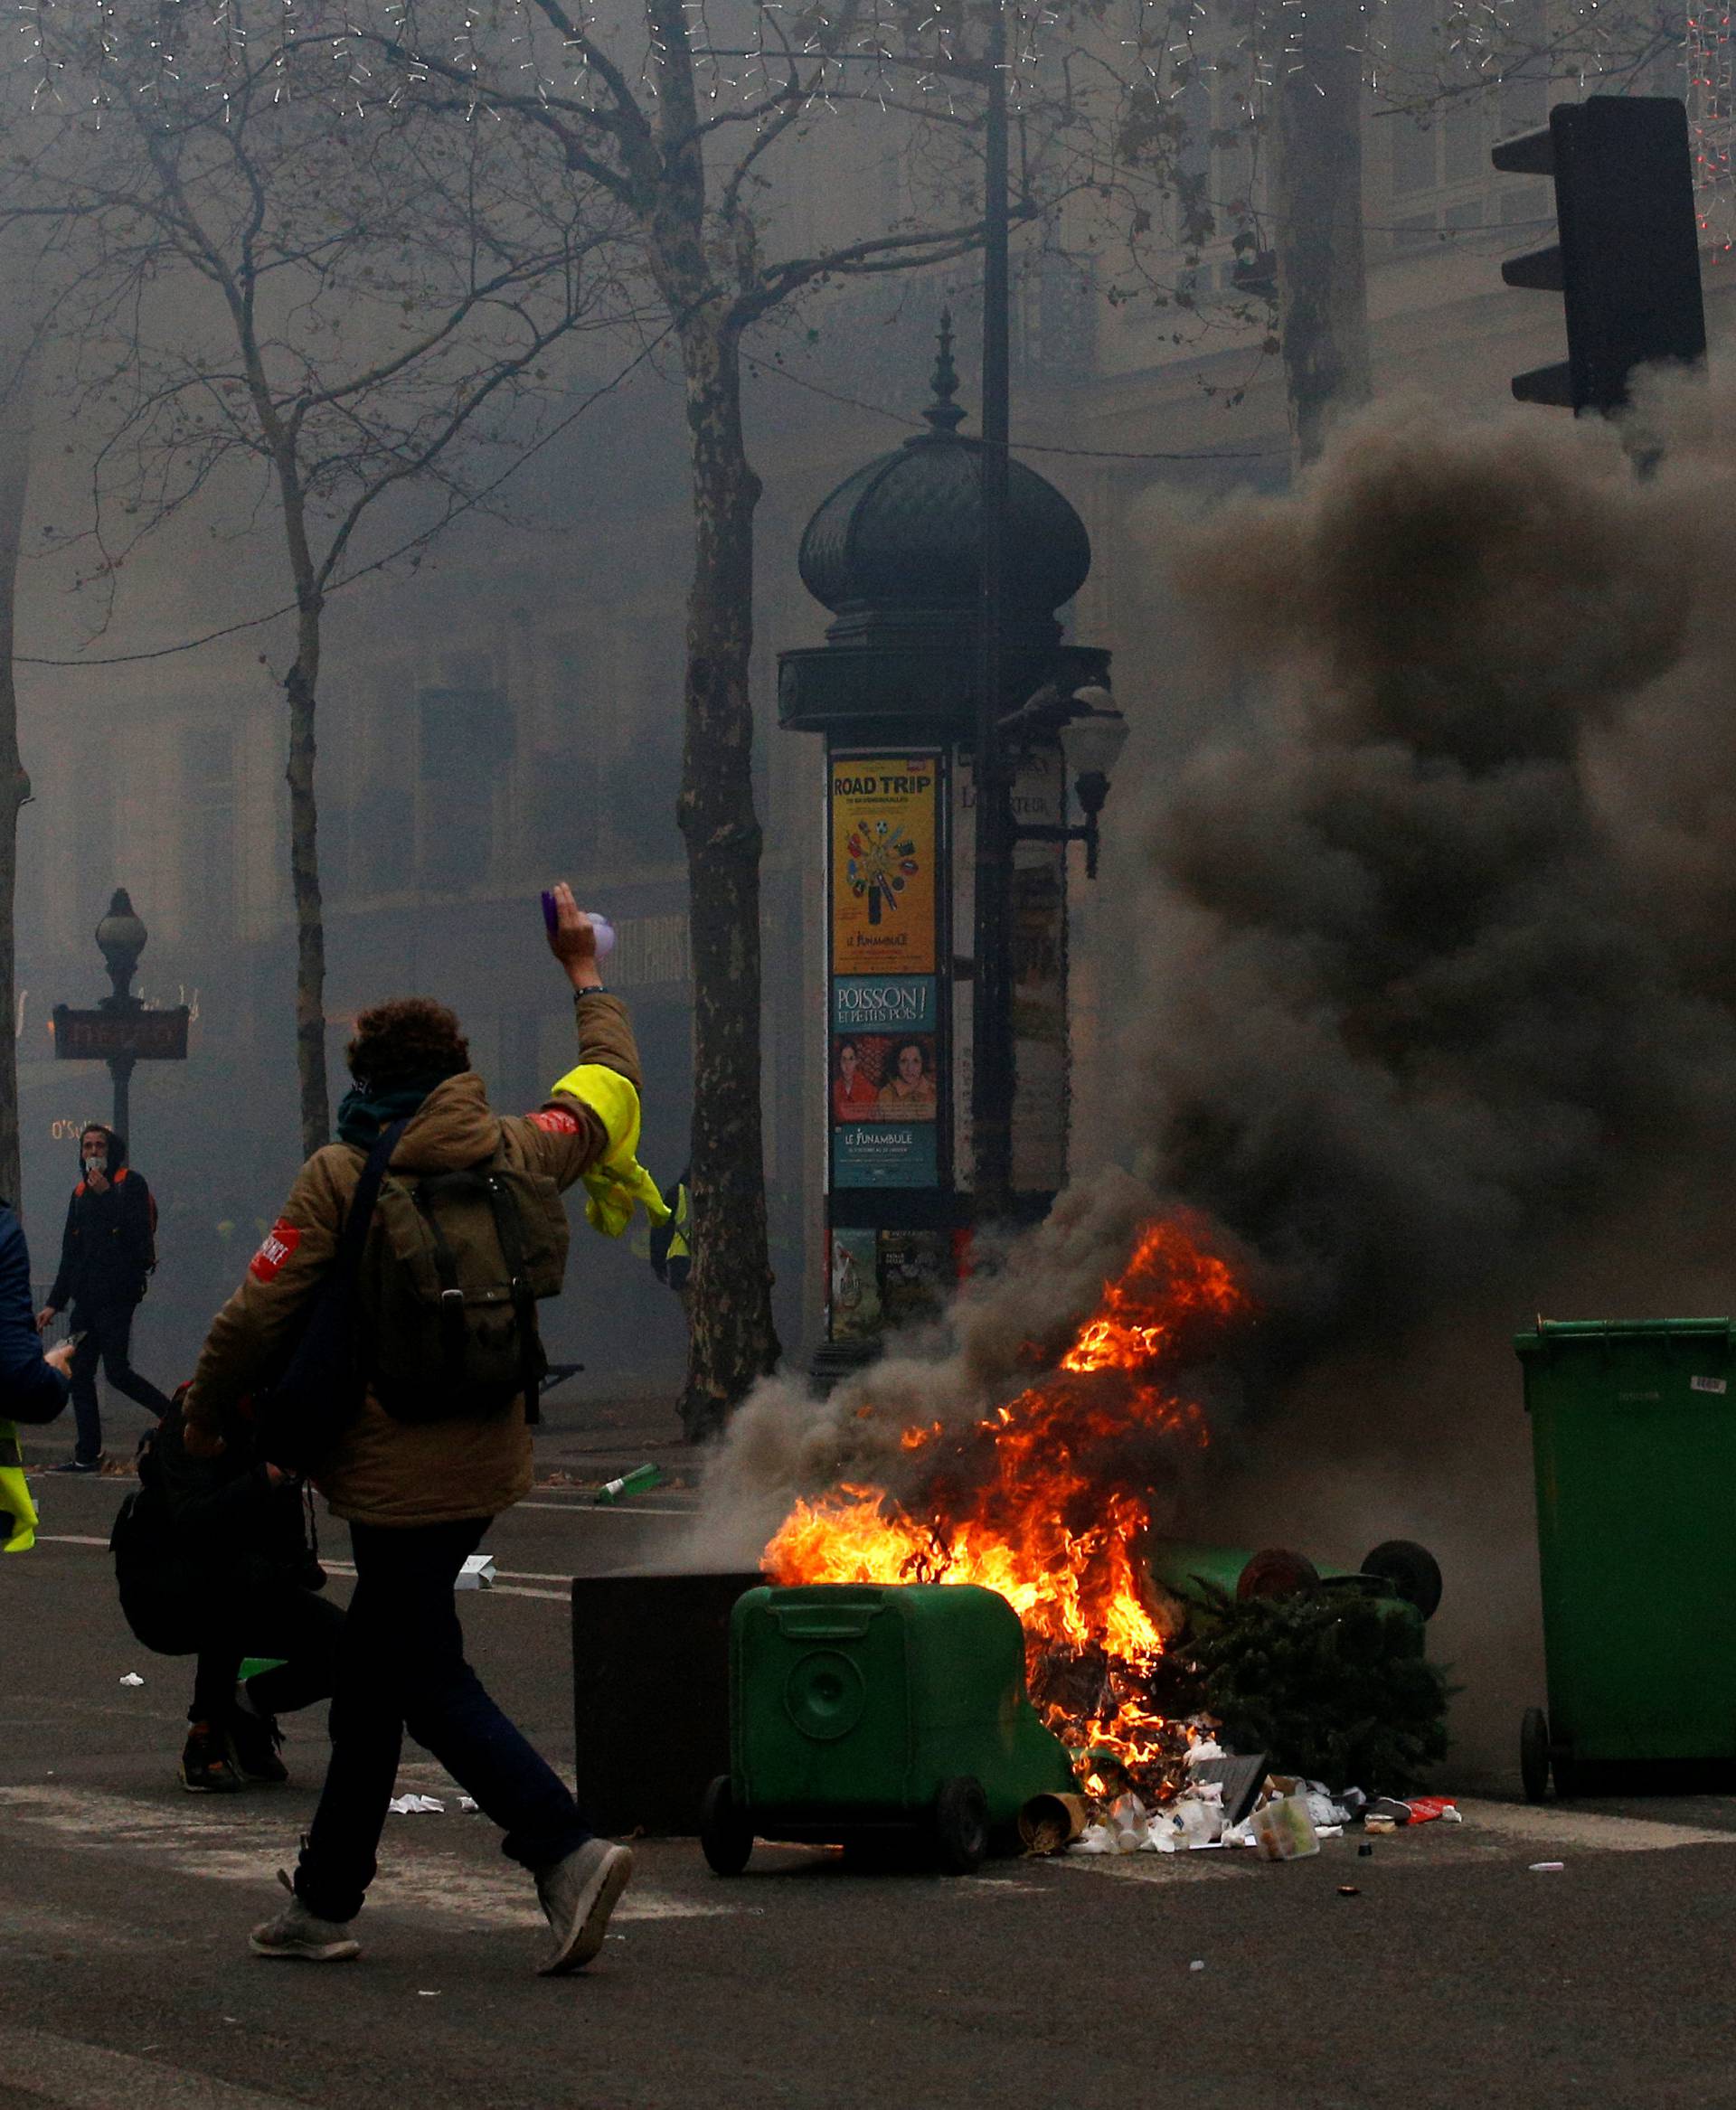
x,y
1091,742
121,937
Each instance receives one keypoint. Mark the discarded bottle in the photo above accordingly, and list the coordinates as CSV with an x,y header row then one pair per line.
x,y
639,1481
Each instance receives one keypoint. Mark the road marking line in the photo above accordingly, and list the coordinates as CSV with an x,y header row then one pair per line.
x,y
89,2077
1556,1824
603,1509
237,1845
68,1538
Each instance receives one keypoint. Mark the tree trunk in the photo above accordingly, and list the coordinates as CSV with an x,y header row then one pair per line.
x,y
1317,179
14,785
731,1339
301,687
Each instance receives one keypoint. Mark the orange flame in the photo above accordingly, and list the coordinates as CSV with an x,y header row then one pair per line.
x,y
1026,1501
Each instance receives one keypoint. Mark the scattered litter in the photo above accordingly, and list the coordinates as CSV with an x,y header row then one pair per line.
x,y
1365,1850
1348,1890
1197,1964
1285,1830
1547,1867
1327,1814
132,1678
476,1574
1426,1808
423,1992
467,1804
1381,1825
641,1480
417,1806
1049,1823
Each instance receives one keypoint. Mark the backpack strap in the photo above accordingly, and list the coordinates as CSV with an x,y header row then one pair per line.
x,y
512,1247
446,1266
346,1262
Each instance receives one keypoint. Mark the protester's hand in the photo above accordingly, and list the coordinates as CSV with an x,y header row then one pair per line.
x,y
60,1358
573,941
45,1318
97,1181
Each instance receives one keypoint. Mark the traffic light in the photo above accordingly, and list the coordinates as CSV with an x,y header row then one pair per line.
x,y
1629,259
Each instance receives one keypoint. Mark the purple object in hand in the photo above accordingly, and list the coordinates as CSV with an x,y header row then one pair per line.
x,y
551,916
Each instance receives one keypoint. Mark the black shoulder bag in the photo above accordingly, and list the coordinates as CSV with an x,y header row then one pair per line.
x,y
320,1390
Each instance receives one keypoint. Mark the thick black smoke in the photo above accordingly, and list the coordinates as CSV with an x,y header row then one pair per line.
x,y
1424,992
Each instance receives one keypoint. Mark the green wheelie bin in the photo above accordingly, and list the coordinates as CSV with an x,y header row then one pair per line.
x,y
864,1715
1633,1432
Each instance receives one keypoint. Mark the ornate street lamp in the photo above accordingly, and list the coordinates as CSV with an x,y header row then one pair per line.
x,y
119,1030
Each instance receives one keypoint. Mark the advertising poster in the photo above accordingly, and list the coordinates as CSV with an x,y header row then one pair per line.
x,y
885,844
916,1275
855,1287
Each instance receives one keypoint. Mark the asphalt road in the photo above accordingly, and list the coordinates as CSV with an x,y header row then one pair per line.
x,y
1456,1975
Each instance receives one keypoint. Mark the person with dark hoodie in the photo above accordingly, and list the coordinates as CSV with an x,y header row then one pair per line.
x,y
419,1475
108,1253
214,1559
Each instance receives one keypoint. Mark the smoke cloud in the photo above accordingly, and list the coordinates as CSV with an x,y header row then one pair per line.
x,y
1438,1007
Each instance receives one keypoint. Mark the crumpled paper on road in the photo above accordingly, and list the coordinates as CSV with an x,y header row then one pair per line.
x,y
417,1806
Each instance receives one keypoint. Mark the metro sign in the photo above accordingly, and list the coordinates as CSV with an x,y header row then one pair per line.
x,y
109,1036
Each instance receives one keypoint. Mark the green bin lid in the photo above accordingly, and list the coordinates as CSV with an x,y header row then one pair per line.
x,y
1547,1333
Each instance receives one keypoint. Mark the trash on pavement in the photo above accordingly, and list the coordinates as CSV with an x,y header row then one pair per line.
x,y
1426,1808
468,1805
1049,1823
417,1806
132,1678
476,1574
1547,1867
641,1480
1285,1830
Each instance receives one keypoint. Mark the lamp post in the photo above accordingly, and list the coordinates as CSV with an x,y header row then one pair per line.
x,y
121,937
991,1067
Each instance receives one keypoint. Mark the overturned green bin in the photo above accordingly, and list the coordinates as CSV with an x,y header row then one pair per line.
x,y
1632,1432
862,1713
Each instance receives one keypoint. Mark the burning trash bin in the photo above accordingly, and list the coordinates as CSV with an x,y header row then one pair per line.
x,y
1397,1569
1634,1440
861,1711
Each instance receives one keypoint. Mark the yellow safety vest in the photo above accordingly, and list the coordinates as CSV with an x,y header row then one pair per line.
x,y
17,1511
618,1180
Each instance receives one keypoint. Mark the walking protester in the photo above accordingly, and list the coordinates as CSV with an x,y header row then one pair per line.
x,y
467,1229
33,1386
214,1559
108,1254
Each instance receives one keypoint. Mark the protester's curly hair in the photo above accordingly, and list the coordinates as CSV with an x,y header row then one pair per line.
x,y
404,1042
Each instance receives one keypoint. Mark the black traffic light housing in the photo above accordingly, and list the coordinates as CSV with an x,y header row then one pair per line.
x,y
1627,263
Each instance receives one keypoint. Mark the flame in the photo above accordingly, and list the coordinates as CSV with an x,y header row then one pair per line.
x,y
1026,1501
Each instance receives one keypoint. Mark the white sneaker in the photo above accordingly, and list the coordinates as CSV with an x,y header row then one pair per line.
x,y
298,1933
578,1895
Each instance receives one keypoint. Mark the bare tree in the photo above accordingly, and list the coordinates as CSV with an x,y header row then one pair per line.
x,y
268,300
686,124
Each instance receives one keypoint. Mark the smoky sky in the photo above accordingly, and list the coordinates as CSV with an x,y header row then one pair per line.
x,y
1424,988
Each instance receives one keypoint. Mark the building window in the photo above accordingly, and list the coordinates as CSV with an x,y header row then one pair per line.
x,y
208,773
464,743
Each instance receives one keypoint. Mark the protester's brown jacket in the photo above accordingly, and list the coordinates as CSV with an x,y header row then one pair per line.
x,y
382,1471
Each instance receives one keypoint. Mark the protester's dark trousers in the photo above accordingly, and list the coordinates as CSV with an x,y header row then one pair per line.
x,y
303,1629
400,1666
108,1334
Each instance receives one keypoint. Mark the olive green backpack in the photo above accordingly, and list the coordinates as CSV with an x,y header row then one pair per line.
x,y
451,1288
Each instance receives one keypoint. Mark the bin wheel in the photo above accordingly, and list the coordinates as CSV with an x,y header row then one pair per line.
x,y
725,1837
1533,1754
1412,1571
960,1826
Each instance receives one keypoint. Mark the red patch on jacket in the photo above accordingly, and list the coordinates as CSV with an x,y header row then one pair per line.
x,y
557,1121
280,1241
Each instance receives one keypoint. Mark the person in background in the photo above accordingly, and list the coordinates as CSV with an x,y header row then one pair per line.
x,y
108,1253
33,1386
